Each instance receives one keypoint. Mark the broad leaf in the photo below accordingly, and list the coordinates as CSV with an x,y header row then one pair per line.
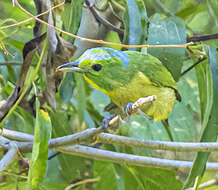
x,y
39,158
71,16
135,22
168,31
209,116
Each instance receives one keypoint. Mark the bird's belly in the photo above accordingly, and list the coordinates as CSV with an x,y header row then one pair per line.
x,y
158,109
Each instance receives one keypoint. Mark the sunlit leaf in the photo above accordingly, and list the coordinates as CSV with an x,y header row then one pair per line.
x,y
170,30
210,119
39,158
135,22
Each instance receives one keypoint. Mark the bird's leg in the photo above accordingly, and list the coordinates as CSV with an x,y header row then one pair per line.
x,y
106,121
128,108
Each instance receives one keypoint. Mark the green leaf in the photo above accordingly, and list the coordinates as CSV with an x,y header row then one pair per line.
x,y
63,123
172,6
71,16
156,178
39,158
81,97
67,87
135,22
107,174
112,37
205,86
121,177
168,31
212,9
188,88
210,132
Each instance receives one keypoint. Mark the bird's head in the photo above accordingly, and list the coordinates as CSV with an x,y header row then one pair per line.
x,y
101,67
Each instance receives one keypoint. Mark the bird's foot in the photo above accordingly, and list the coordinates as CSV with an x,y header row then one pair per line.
x,y
106,121
128,108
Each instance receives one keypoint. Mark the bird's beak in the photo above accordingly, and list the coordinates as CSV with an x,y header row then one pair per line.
x,y
70,67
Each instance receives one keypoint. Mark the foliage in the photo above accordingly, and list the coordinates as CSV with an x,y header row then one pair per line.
x,y
49,104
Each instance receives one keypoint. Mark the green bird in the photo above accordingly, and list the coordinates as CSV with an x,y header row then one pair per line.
x,y
126,76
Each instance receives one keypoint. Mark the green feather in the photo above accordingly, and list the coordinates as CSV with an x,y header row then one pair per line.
x,y
126,76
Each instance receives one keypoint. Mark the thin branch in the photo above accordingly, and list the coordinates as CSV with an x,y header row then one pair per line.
x,y
192,66
116,139
202,38
10,64
129,159
32,18
16,135
97,41
9,157
116,157
206,184
160,145
77,138
102,20
92,180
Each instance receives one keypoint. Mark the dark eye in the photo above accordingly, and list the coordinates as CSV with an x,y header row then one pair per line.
x,y
97,67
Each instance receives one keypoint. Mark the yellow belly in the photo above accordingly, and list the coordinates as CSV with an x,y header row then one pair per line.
x,y
141,86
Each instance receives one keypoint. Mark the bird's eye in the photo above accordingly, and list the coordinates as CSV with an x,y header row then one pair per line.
x,y
97,67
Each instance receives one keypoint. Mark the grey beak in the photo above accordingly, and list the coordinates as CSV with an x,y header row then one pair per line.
x,y
70,67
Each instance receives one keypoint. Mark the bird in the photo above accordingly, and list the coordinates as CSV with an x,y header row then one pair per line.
x,y
126,76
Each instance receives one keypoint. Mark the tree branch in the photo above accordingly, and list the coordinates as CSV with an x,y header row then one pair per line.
x,y
202,38
123,158
96,41
83,136
160,145
116,157
9,157
102,20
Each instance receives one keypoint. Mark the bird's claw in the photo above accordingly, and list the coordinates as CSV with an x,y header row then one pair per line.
x,y
106,121
128,108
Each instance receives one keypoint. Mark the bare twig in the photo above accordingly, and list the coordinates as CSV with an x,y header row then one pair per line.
x,y
16,135
206,184
31,18
102,20
82,182
160,145
115,157
77,138
97,41
9,157
129,159
192,66
202,38
113,139
11,64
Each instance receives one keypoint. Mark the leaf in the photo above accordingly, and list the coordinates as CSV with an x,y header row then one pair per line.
x,y
156,178
188,88
107,174
168,31
81,97
135,22
209,114
63,123
67,87
71,16
112,37
172,6
39,158
212,9
121,177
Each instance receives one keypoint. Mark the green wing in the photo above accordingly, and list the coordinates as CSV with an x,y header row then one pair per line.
x,y
153,69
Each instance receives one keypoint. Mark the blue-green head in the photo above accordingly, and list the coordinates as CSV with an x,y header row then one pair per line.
x,y
104,67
